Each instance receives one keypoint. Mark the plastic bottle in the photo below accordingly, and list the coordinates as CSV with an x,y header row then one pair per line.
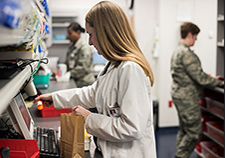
x,y
39,104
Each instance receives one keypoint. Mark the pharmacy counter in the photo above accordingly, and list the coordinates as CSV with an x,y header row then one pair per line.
x,y
54,122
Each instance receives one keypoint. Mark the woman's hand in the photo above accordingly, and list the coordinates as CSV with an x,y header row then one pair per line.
x,y
45,98
79,110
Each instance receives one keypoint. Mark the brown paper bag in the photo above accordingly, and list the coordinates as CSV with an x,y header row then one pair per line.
x,y
72,136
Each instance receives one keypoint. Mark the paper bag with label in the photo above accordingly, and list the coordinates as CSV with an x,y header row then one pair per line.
x,y
72,136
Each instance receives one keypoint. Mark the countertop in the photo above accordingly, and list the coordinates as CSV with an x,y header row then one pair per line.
x,y
54,122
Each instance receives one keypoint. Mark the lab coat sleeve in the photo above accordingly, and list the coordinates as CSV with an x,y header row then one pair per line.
x,y
69,98
193,67
134,102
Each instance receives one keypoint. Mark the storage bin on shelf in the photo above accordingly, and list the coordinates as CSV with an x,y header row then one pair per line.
x,y
41,80
21,148
216,130
52,112
211,150
198,147
206,118
202,102
215,106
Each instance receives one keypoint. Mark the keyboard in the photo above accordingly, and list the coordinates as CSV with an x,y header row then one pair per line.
x,y
47,143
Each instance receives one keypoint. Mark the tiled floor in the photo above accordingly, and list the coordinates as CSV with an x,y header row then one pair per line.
x,y
166,143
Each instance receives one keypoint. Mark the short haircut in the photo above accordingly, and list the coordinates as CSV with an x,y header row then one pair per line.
x,y
187,27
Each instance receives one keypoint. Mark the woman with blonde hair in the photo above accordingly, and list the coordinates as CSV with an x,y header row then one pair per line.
x,y
115,36
122,92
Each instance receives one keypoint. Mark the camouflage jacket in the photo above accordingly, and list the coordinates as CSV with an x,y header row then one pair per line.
x,y
79,63
188,76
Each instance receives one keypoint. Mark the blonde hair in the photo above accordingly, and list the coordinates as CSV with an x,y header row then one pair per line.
x,y
115,37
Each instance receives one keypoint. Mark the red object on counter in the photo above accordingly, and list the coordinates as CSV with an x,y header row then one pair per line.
x,y
21,148
52,112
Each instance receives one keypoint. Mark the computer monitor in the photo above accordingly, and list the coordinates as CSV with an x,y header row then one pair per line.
x,y
20,117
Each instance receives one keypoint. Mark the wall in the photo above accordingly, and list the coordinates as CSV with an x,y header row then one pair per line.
x,y
163,13
145,20
73,7
205,46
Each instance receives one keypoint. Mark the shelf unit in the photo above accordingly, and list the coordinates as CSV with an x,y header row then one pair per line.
x,y
199,154
31,24
10,87
220,38
60,20
15,38
216,94
61,42
207,135
211,113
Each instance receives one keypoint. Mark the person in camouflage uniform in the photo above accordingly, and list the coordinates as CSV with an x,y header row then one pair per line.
x,y
79,57
187,88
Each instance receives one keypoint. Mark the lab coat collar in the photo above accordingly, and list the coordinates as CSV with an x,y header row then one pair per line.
x,y
108,67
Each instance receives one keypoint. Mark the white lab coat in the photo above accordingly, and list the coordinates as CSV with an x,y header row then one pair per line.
x,y
124,125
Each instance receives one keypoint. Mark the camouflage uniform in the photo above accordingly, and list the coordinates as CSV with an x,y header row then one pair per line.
x,y
79,63
187,88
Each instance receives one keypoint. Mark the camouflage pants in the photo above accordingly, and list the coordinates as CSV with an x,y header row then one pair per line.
x,y
190,126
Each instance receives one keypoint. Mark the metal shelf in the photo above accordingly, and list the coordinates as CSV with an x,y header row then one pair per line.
x,y
26,29
199,154
9,88
206,134
11,36
205,109
61,42
66,24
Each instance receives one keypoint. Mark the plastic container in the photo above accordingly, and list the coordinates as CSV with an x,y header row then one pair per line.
x,y
21,148
60,37
211,150
206,118
52,112
87,141
40,105
215,106
202,102
216,130
198,147
41,80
